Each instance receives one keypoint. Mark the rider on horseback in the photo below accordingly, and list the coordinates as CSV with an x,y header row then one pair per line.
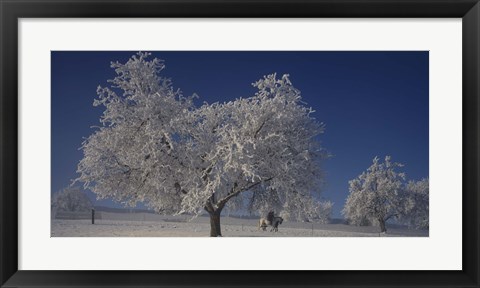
x,y
270,216
270,220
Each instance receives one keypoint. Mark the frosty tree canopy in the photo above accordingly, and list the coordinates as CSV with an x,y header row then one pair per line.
x,y
155,146
380,194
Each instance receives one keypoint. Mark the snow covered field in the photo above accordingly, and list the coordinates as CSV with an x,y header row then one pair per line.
x,y
151,225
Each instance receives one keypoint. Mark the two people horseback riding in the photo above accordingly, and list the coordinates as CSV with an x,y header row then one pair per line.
x,y
270,220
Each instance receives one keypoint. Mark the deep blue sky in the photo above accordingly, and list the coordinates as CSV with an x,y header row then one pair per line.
x,y
373,103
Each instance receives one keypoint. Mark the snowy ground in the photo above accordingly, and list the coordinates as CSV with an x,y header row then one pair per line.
x,y
151,225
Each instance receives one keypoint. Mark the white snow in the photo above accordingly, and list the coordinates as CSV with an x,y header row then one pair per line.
x,y
152,225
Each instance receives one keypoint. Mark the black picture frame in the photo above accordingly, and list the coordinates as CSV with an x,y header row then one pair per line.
x,y
11,11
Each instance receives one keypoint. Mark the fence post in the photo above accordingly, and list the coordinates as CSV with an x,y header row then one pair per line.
x,y
93,215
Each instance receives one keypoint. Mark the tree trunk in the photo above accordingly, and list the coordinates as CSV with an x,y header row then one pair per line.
x,y
215,230
383,227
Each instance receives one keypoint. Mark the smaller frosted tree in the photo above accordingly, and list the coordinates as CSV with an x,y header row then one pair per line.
x,y
311,210
71,199
376,195
323,212
416,207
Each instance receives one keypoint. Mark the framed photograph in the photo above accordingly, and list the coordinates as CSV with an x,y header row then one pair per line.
x,y
328,143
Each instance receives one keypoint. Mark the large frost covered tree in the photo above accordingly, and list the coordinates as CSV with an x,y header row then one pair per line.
x,y
376,195
155,146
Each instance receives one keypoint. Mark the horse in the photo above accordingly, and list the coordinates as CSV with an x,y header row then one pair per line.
x,y
264,223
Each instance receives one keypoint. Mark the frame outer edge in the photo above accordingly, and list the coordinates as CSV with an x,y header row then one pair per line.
x,y
2,214
9,13
471,142
9,142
